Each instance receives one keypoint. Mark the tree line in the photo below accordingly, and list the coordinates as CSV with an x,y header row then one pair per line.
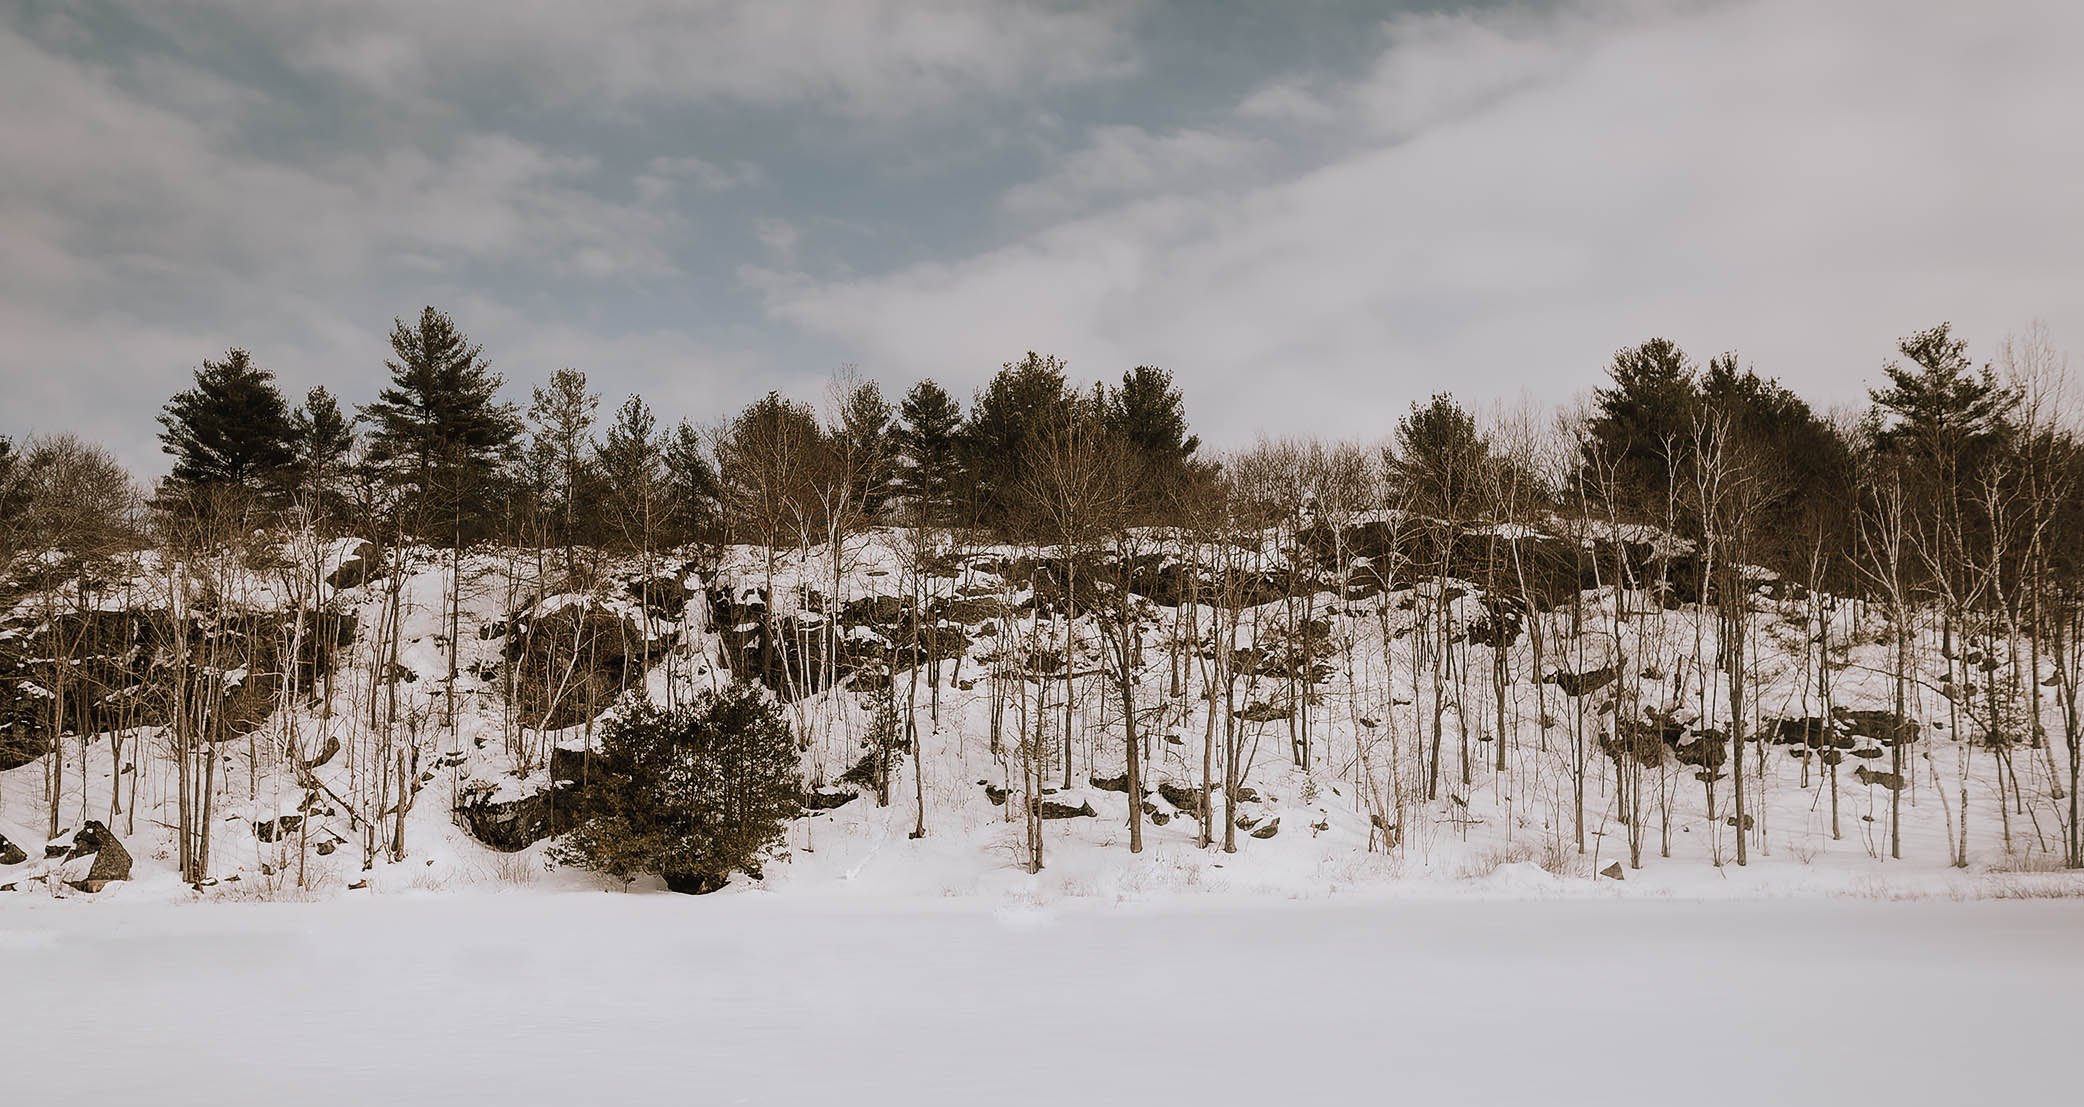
x,y
1941,518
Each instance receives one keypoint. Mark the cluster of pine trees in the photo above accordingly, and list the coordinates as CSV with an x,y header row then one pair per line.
x,y
1957,493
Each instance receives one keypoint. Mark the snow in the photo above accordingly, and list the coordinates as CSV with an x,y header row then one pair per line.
x,y
590,997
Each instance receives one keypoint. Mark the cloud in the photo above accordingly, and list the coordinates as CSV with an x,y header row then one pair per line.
x,y
1501,201
857,58
1119,162
662,176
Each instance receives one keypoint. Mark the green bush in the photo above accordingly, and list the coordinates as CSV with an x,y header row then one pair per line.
x,y
692,794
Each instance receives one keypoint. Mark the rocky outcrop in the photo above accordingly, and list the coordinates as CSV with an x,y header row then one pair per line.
x,y
277,829
10,854
572,662
1585,683
111,860
507,825
356,569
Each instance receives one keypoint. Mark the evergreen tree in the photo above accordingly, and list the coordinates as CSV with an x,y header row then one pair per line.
x,y
997,439
1940,410
558,459
691,794
863,445
231,430
691,481
1804,457
1151,416
1436,464
928,422
1642,422
632,464
441,432
321,440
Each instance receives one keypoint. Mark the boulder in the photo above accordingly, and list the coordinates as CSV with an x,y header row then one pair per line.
x,y
111,860
276,829
1585,683
1892,781
356,570
506,825
694,884
10,854
1612,872
1267,829
828,798
1187,801
1058,809
20,748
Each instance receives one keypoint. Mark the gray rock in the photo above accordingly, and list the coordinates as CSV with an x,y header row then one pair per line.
x,y
111,860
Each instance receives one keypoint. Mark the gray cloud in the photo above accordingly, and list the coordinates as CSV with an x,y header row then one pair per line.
x,y
1510,198
700,202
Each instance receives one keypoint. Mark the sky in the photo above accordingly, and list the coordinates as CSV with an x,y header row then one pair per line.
x,y
1313,212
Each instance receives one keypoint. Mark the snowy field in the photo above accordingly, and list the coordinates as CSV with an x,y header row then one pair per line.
x,y
603,998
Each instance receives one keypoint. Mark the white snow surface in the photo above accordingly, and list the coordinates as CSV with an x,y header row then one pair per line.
x,y
612,998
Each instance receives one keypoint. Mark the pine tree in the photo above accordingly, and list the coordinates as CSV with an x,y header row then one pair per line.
x,y
320,441
691,481
632,465
440,430
1940,409
691,794
1642,421
558,459
1006,416
928,422
863,445
1151,415
1437,462
232,430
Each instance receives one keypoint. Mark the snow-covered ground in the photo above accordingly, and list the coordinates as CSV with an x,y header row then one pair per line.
x,y
608,998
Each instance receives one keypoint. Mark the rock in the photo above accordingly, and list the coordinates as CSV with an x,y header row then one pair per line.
x,y
17,750
506,825
1580,684
1732,821
1613,872
1058,809
1267,829
827,799
10,854
694,884
1266,712
111,860
1187,801
269,830
325,753
1885,727
1112,783
567,766
995,794
355,571
1892,781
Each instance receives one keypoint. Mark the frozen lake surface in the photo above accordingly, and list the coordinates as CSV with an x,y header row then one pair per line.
x,y
600,998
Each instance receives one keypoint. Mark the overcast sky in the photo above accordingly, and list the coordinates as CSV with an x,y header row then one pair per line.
x,y
1313,212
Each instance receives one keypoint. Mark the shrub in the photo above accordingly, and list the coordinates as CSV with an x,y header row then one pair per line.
x,y
692,794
